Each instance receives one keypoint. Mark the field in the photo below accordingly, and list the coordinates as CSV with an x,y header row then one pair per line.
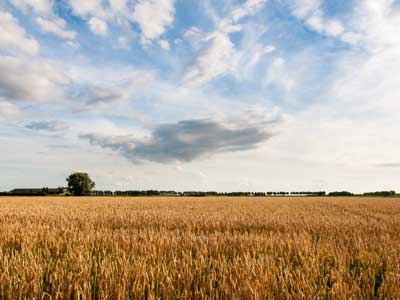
x,y
199,248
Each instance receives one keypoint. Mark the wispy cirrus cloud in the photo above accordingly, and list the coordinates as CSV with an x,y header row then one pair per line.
x,y
309,11
216,58
212,61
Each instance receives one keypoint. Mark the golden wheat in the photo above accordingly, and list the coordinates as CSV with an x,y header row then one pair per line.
x,y
199,248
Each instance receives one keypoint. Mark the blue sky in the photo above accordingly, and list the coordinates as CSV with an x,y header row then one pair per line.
x,y
206,95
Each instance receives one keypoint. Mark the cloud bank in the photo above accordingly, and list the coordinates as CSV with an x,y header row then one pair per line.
x,y
185,141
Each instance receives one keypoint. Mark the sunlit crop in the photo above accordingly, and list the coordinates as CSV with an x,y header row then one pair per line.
x,y
199,248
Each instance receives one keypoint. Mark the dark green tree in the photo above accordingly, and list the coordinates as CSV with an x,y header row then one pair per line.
x,y
80,184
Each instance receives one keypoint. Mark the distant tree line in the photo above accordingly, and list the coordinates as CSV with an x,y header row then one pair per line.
x,y
208,193
80,184
372,194
340,194
381,194
142,193
139,193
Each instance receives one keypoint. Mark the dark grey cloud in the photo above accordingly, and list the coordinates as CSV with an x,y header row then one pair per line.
x,y
186,140
112,93
51,126
101,95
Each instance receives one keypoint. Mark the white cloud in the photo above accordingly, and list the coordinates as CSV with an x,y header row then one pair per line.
x,y
153,17
8,111
248,59
56,26
368,79
98,26
39,6
13,38
347,129
119,6
326,27
250,7
195,36
217,58
352,126
310,12
304,8
334,28
211,62
122,43
375,25
164,44
217,54
86,8
24,79
248,62
279,74
72,44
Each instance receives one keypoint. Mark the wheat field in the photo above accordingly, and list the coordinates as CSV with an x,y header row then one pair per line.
x,y
199,248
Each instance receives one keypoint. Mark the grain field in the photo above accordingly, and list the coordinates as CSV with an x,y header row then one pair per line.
x,y
199,248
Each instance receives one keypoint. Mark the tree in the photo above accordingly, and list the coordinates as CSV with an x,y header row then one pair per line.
x,y
80,184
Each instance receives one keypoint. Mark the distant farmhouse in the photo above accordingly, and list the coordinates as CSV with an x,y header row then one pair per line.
x,y
40,191
61,191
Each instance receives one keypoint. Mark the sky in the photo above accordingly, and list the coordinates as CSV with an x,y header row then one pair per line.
x,y
224,95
